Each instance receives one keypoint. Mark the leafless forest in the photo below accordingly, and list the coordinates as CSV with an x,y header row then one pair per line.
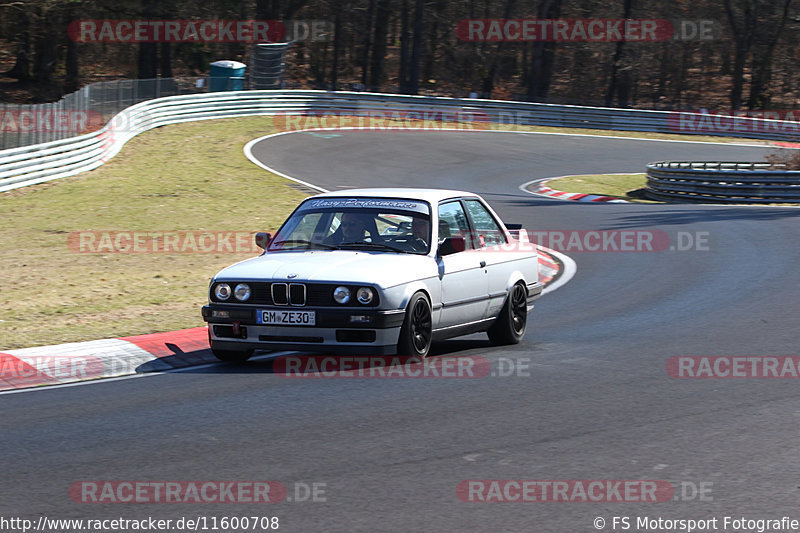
x,y
748,59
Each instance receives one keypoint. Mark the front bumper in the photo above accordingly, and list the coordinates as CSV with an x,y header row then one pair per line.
x,y
534,291
373,332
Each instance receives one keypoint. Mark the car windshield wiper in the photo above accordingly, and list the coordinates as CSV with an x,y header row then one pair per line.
x,y
303,241
375,245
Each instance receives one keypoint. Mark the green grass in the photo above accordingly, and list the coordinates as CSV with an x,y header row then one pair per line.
x,y
617,185
191,176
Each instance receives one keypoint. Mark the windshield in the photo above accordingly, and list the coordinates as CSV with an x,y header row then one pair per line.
x,y
368,224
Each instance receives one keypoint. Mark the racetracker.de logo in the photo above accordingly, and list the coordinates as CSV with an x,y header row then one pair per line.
x,y
564,490
379,366
733,121
564,30
177,492
25,121
177,31
383,119
163,242
30,371
733,367
601,240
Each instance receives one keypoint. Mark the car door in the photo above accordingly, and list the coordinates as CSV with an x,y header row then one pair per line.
x,y
463,275
500,264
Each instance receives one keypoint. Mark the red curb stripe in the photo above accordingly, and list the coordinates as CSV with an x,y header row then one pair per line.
x,y
575,196
179,344
17,374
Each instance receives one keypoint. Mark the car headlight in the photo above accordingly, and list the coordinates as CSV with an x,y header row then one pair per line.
x,y
222,291
341,295
364,295
242,292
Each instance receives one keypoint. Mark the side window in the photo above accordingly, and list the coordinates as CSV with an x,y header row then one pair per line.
x,y
487,231
453,222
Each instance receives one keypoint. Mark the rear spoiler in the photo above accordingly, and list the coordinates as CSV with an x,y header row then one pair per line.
x,y
517,232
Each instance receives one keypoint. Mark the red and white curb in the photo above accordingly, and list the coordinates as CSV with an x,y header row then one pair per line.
x,y
549,267
80,361
62,364
540,188
783,144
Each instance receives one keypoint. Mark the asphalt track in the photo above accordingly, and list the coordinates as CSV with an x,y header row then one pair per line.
x,y
590,398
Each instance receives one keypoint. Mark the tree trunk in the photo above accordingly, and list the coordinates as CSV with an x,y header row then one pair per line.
x,y
44,59
72,74
382,13
337,45
268,9
147,59
617,84
365,51
416,47
402,75
543,56
165,59
487,85
22,66
743,36
762,65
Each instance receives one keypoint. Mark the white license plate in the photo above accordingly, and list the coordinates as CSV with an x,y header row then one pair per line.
x,y
287,318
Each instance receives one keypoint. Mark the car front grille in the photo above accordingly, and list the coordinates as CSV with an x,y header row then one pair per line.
x,y
297,294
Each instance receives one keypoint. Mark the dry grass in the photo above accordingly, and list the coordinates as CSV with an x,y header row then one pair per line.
x,y
185,177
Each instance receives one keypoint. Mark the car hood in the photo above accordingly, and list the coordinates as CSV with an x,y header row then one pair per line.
x,y
345,266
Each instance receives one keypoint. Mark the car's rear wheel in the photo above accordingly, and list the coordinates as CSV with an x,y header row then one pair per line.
x,y
509,328
417,331
232,356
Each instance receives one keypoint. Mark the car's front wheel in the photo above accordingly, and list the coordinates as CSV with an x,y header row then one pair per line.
x,y
417,331
232,356
509,327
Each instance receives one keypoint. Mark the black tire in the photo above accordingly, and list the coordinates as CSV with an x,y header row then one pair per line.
x,y
417,330
232,356
509,328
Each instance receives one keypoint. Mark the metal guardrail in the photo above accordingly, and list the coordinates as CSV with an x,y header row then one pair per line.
x,y
722,181
85,110
43,162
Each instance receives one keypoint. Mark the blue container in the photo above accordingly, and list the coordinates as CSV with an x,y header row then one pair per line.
x,y
226,76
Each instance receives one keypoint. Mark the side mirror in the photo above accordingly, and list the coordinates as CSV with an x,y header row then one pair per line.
x,y
262,240
452,245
